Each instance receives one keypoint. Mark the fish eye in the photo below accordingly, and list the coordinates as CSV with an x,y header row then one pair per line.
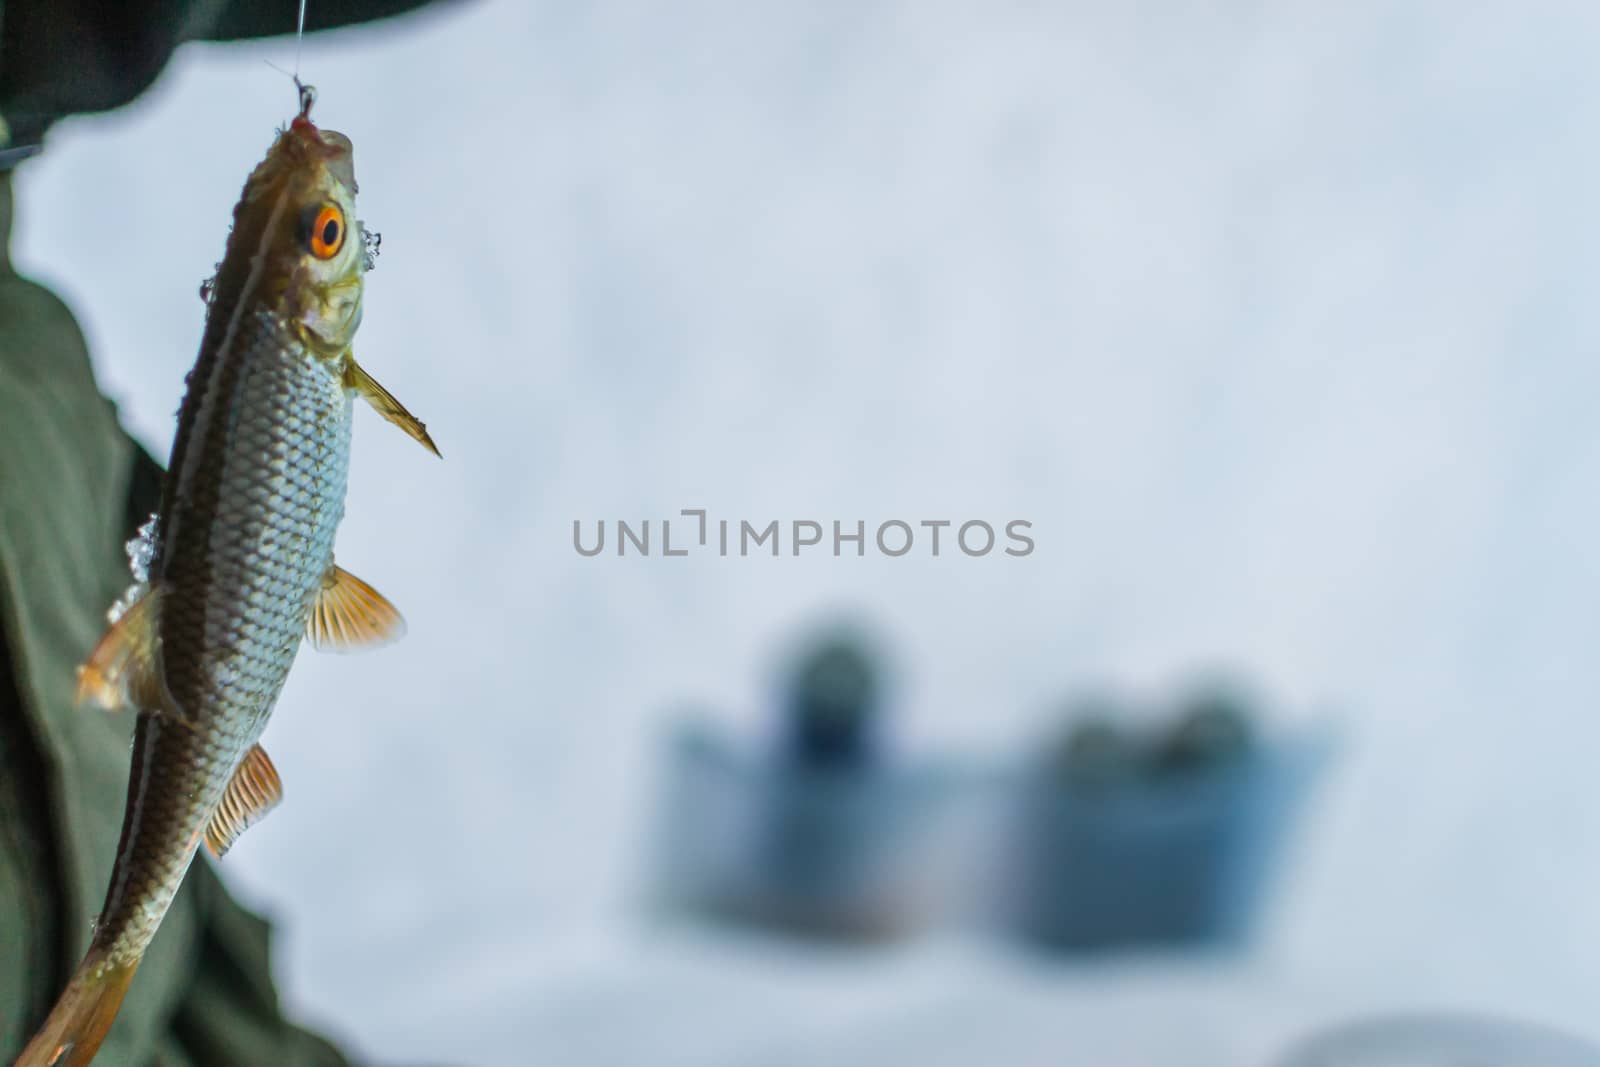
x,y
326,232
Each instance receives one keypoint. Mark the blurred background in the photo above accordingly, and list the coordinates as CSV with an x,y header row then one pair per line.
x,y
1277,323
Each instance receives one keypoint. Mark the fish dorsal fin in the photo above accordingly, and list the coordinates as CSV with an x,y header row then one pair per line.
x,y
384,403
254,790
350,615
124,670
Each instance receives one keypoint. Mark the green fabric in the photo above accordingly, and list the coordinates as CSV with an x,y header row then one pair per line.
x,y
63,57
70,487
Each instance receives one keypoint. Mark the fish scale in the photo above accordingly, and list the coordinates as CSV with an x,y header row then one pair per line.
x,y
255,527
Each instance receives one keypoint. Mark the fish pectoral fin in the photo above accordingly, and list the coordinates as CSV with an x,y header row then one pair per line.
x,y
254,790
124,670
350,615
384,403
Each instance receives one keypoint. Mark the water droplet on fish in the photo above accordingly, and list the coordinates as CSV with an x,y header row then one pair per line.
x,y
209,287
127,600
142,550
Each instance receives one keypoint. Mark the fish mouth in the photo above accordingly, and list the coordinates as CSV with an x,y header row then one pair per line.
x,y
329,148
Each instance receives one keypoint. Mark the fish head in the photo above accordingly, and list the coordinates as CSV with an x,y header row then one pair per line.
x,y
296,240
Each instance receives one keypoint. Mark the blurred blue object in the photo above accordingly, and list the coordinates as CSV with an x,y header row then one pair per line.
x,y
832,703
826,851
1166,858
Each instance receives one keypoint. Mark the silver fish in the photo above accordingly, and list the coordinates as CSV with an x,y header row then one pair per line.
x,y
240,558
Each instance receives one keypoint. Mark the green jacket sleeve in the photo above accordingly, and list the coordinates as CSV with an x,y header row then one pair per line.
x,y
64,57
230,1013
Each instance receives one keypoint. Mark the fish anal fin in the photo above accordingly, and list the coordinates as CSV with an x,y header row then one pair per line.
x,y
384,403
124,670
254,790
349,615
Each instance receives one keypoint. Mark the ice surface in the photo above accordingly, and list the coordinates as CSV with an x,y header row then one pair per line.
x,y
1277,320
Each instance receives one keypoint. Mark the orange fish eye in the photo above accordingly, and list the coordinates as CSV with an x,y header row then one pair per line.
x,y
327,232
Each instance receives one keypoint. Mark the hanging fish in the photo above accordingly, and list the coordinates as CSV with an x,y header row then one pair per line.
x,y
236,569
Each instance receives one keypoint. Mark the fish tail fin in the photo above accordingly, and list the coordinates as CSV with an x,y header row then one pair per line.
x,y
76,1026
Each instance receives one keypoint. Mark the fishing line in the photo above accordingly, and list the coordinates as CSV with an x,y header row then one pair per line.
x,y
308,95
299,38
